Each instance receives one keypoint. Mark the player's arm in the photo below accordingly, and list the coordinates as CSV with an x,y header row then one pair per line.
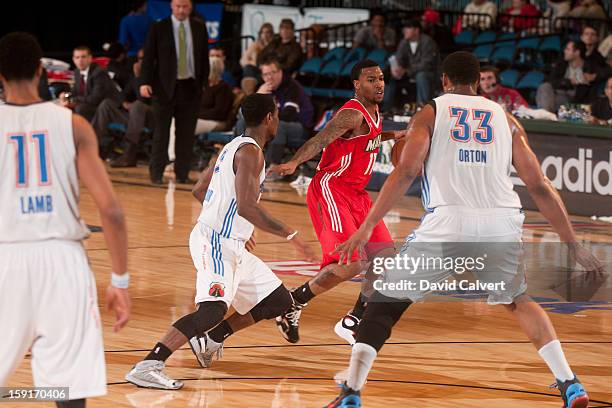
x,y
248,164
93,175
541,190
345,121
401,178
392,135
201,187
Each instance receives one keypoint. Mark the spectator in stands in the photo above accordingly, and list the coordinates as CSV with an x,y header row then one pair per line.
x,y
417,58
119,67
134,27
175,71
478,21
376,35
284,47
92,85
601,109
557,9
590,38
227,76
248,61
131,110
523,10
570,80
440,33
296,112
490,88
216,103
588,9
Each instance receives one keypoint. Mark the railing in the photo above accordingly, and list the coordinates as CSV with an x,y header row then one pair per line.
x,y
316,39
571,26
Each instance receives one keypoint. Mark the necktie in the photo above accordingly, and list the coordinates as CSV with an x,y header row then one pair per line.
x,y
182,60
82,86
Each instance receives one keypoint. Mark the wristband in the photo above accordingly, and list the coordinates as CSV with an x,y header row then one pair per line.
x,y
120,281
290,236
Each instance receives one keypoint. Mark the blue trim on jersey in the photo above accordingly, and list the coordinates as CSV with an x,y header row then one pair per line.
x,y
219,268
229,219
425,192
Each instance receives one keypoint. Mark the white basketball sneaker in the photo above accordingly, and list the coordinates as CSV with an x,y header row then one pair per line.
x,y
347,328
150,374
204,348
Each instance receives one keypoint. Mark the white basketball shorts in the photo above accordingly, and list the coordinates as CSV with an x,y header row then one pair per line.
x,y
48,302
227,272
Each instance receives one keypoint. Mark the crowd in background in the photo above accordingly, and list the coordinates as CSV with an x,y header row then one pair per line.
x,y
148,90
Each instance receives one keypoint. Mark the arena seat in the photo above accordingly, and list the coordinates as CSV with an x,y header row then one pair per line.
x,y
531,80
509,78
465,37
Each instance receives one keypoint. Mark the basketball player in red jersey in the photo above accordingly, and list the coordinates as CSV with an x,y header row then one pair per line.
x,y
337,200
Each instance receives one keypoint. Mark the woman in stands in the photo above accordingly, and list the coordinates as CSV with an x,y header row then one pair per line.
x,y
248,61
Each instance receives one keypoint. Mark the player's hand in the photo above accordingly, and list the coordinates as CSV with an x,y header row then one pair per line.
x,y
284,169
250,244
119,301
146,91
356,242
584,257
399,134
305,249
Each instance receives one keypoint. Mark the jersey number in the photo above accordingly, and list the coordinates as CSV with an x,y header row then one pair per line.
x,y
462,131
20,142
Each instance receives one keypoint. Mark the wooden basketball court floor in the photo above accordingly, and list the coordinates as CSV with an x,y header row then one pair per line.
x,y
441,354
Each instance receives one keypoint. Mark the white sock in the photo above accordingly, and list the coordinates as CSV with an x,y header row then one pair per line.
x,y
362,358
552,354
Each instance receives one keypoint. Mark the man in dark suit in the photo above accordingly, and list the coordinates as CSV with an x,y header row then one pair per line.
x,y
92,84
174,71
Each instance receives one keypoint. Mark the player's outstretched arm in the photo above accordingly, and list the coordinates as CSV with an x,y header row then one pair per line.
x,y
401,178
345,121
248,163
93,175
545,195
201,187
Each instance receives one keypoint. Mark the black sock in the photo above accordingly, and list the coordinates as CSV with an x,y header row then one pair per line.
x,y
159,352
360,306
303,294
221,332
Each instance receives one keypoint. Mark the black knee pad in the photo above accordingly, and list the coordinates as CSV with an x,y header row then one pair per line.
x,y
378,320
80,403
273,305
208,315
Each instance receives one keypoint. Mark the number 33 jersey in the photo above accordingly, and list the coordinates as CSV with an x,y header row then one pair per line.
x,y
470,155
39,187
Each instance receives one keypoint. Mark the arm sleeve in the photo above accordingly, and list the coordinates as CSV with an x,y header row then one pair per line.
x,y
149,63
222,103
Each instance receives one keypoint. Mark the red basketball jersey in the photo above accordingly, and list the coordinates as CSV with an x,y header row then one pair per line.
x,y
350,160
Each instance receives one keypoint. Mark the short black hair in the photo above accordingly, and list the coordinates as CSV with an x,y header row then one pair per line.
x,y
269,60
462,68
414,23
20,55
356,71
255,107
287,21
580,46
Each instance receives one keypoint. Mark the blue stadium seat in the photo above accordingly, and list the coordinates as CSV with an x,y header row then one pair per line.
x,y
346,71
221,137
551,44
509,77
530,80
379,56
528,43
335,53
311,66
503,54
486,37
465,37
343,93
356,54
332,68
483,52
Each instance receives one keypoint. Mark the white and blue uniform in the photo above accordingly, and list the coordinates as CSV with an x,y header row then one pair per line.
x,y
226,270
48,295
468,198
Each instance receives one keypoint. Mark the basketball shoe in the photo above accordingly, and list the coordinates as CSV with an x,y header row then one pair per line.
x,y
347,328
573,393
289,322
348,398
204,348
150,374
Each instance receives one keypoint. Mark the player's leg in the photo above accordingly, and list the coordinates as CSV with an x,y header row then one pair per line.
x,y
69,350
259,295
381,314
539,329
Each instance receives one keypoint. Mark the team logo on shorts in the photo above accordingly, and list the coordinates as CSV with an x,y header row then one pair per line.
x,y
216,289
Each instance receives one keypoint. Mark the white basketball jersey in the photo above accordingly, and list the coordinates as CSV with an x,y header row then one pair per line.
x,y
39,185
470,155
219,210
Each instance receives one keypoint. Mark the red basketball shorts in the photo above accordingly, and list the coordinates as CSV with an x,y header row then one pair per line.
x,y
337,211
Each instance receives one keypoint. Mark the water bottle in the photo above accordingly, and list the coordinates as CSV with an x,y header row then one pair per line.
x,y
563,113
